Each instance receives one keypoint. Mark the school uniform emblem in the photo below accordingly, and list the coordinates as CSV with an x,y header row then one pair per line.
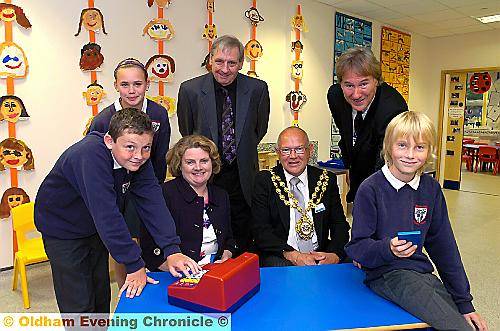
x,y
156,126
420,214
125,187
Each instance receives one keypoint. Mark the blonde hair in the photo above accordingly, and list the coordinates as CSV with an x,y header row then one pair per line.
x,y
410,124
175,154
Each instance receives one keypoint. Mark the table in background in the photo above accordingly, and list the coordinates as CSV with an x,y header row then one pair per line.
x,y
324,297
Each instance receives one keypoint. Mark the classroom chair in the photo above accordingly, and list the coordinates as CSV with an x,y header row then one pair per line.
x,y
488,155
30,250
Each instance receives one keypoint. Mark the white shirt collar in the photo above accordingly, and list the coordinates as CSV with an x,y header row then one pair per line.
x,y
302,176
116,165
118,105
396,183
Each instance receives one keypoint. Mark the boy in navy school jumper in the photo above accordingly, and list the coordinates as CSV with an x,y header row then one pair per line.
x,y
400,198
78,210
131,82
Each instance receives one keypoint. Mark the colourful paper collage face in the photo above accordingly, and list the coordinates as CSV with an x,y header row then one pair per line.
x,y
160,3
10,13
159,29
161,68
210,32
14,154
167,102
206,63
297,69
253,50
91,57
12,197
254,16
296,100
211,5
297,45
13,61
94,94
299,23
92,20
12,109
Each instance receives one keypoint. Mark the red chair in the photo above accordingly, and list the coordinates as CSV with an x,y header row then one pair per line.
x,y
467,141
488,155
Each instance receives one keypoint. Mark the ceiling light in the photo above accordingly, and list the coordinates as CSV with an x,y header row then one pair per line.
x,y
489,19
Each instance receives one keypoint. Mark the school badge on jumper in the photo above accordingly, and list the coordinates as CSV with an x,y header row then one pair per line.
x,y
125,187
420,214
156,126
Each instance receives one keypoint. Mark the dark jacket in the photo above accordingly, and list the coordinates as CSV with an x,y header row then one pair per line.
x,y
271,217
364,157
187,210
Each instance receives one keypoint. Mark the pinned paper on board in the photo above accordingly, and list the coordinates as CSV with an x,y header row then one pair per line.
x,y
94,94
253,50
12,109
15,154
13,61
167,102
254,16
12,197
210,32
10,13
92,20
161,68
160,3
296,100
159,29
91,57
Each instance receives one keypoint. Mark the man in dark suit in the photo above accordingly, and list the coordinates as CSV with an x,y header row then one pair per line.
x,y
232,110
303,224
362,106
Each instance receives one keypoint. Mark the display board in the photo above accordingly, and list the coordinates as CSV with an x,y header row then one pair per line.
x,y
395,59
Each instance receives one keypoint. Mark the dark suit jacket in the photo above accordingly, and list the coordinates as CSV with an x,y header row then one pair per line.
x,y
197,114
364,158
186,208
271,217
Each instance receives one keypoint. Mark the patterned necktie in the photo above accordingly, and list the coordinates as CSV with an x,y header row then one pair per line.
x,y
358,123
304,246
228,134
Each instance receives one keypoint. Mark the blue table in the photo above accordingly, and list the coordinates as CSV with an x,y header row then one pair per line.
x,y
324,297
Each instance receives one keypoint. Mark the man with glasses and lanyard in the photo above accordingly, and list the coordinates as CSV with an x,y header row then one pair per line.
x,y
297,216
232,110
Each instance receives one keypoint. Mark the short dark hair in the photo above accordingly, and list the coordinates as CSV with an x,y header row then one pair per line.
x,y
128,63
131,120
228,42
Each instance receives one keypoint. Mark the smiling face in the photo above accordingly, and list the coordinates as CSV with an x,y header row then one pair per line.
x,y
408,156
253,50
293,142
15,200
225,65
161,69
358,90
159,29
13,157
297,69
10,109
92,20
132,85
130,150
13,62
196,167
94,95
8,14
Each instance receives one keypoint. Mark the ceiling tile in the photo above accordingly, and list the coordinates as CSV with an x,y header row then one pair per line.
x,y
356,6
438,16
330,2
459,3
459,22
388,3
483,9
473,28
419,7
382,14
435,33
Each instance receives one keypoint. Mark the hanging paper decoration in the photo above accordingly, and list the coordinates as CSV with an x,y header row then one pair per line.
x,y
480,82
167,102
94,94
13,61
15,154
211,6
299,23
10,13
159,29
253,50
12,197
12,109
297,46
206,62
92,19
160,3
252,73
91,57
253,15
395,59
296,100
297,69
210,32
161,68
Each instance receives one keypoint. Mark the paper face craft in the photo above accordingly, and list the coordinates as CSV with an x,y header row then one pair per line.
x,y
12,109
211,5
12,197
10,13
160,3
92,19
14,154
13,61
299,23
167,102
94,94
296,99
253,50
297,45
253,15
252,73
159,29
91,57
297,69
206,63
210,32
161,68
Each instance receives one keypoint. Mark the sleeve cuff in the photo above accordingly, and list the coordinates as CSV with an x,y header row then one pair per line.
x,y
133,267
465,307
169,250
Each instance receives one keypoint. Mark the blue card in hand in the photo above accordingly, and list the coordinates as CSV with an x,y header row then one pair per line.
x,y
413,236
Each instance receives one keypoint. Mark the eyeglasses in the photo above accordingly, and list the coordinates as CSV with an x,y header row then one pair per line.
x,y
288,150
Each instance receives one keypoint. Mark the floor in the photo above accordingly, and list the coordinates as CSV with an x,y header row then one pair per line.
x,y
476,223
